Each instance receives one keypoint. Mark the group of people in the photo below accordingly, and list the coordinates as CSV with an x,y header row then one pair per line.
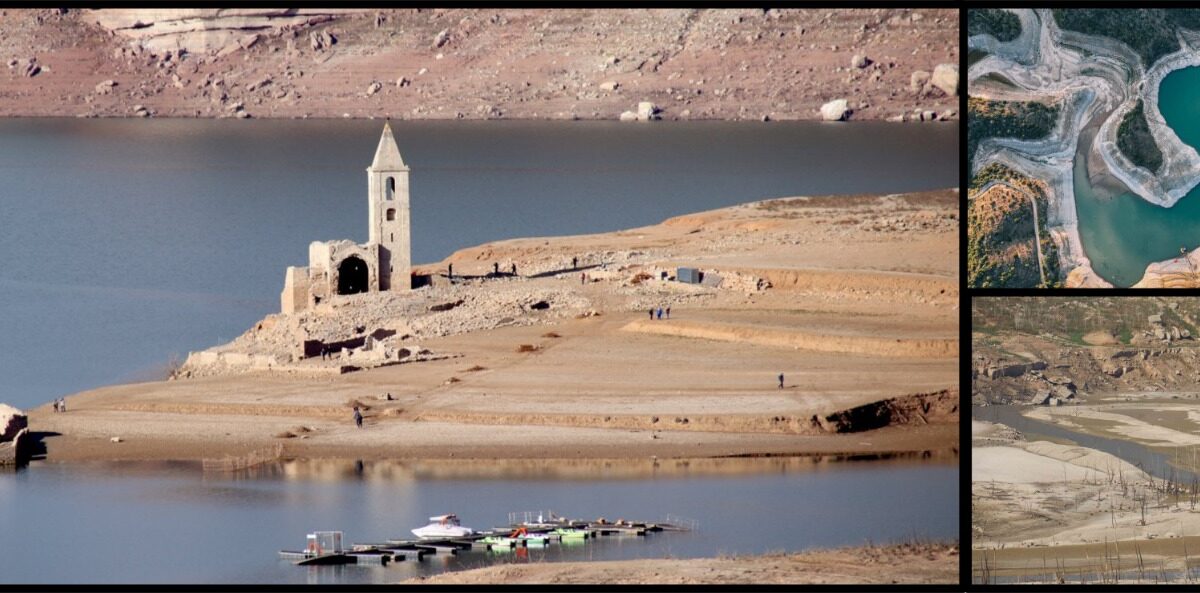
x,y
60,404
659,312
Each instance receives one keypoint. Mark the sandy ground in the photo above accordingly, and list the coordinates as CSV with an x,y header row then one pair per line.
x,y
742,64
1153,424
918,563
1046,511
598,389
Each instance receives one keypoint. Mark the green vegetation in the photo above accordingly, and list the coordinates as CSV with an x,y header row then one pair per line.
x,y
1072,318
1001,252
1136,142
1028,120
1150,32
1002,25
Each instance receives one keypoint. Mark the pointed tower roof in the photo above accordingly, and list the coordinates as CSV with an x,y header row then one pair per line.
x,y
387,156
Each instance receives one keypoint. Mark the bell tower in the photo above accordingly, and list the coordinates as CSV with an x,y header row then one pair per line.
x,y
387,191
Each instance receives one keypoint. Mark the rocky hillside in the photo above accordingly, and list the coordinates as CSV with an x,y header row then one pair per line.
x,y
1023,348
479,64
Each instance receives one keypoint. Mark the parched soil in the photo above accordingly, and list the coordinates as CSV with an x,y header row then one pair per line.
x,y
904,563
730,64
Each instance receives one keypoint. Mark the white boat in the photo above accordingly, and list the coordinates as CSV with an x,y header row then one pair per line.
x,y
442,526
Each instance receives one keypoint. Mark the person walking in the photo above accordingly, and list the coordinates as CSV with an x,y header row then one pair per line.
x,y
62,405
660,312
56,406
583,278
357,417
781,380
668,312
496,268
651,314
575,263
450,271
514,269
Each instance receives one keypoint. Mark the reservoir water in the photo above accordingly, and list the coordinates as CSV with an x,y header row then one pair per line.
x,y
172,523
1152,462
1123,234
126,241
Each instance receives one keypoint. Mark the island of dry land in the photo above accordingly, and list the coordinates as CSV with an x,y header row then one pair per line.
x,y
853,298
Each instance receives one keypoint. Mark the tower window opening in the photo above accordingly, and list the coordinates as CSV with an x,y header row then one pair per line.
x,y
391,188
391,214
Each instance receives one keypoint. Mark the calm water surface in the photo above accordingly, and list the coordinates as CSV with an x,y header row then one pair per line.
x,y
170,523
127,241
1151,461
1124,234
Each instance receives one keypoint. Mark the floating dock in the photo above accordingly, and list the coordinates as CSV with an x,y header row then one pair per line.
x,y
540,534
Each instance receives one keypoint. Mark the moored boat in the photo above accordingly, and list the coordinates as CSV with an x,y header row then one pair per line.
x,y
443,526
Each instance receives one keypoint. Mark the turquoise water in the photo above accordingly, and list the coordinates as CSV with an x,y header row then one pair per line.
x,y
1124,234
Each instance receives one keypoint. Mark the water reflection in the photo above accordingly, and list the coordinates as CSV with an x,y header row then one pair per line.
x,y
134,518
338,470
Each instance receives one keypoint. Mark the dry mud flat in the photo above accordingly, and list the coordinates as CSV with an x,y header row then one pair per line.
x,y
908,563
1048,512
875,275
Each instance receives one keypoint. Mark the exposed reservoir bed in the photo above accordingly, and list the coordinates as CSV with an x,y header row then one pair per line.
x,y
130,240
1152,462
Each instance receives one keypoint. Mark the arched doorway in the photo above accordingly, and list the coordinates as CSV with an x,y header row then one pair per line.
x,y
352,276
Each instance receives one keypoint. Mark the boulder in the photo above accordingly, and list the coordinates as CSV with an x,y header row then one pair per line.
x,y
442,37
647,111
860,61
12,421
610,85
836,110
374,87
628,116
919,79
945,77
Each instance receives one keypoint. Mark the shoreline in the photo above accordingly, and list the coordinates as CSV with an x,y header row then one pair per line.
x,y
918,562
800,295
1031,62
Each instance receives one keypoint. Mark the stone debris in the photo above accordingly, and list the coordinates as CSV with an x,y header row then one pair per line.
x,y
593,61
12,421
105,87
836,110
945,77
442,37
918,81
648,111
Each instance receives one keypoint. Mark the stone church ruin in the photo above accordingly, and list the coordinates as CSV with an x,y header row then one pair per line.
x,y
383,263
